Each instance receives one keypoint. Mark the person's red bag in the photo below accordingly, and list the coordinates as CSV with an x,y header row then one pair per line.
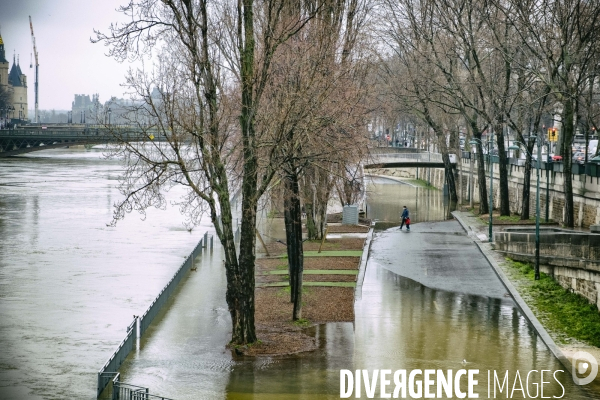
x,y
407,221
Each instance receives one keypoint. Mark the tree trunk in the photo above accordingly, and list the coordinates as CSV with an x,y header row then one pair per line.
x,y
289,236
483,197
311,228
295,253
240,277
503,167
321,219
450,178
240,286
568,127
483,204
525,212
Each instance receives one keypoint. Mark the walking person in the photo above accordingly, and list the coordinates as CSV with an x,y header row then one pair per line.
x,y
405,217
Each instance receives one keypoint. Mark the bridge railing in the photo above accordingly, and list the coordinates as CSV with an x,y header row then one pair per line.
x,y
418,157
88,134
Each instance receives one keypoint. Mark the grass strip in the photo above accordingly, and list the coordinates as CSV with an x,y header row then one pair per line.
x,y
562,311
334,253
320,284
319,272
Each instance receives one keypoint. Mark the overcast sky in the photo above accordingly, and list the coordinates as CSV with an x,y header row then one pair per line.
x,y
69,63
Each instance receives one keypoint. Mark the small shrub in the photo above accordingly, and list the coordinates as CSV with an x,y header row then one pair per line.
x,y
302,323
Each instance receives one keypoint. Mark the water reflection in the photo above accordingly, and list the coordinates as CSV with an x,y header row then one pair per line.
x,y
386,198
401,324
305,376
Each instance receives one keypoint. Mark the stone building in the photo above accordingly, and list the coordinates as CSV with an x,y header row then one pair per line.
x,y
14,82
86,110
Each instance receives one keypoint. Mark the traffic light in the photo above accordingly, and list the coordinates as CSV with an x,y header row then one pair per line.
x,y
552,135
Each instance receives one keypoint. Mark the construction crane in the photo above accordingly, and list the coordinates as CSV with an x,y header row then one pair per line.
x,y
37,68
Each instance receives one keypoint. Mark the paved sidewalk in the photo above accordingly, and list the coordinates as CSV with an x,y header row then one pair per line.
x,y
478,231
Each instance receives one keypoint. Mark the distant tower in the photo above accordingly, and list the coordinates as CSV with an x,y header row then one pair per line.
x,y
18,81
3,65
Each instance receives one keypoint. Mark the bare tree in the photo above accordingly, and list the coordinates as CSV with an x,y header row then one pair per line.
x,y
562,37
214,65
312,101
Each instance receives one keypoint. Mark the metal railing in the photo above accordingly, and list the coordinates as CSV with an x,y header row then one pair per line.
x,y
114,362
108,371
125,391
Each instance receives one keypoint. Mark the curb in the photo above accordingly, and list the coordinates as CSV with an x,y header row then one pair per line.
x,y
363,264
486,250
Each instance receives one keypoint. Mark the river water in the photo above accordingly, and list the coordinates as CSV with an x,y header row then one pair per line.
x,y
69,286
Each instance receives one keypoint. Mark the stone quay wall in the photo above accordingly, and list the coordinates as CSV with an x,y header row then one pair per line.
x,y
586,189
572,259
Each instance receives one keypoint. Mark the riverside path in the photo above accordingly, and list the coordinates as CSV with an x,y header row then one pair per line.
x,y
429,300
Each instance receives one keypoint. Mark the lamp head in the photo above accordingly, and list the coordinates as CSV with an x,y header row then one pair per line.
x,y
473,142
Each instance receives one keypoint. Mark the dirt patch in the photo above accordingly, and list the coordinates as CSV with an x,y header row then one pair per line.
x,y
280,342
331,262
264,264
321,304
279,249
329,278
277,333
268,278
272,263
335,244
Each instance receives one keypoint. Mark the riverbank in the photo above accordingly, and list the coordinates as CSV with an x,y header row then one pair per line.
x,y
515,277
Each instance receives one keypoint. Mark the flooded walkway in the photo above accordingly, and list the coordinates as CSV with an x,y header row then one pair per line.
x,y
429,301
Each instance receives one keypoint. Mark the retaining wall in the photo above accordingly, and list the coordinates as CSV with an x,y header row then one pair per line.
x,y
586,189
572,259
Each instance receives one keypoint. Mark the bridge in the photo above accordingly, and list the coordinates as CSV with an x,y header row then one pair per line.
x,y
405,160
30,138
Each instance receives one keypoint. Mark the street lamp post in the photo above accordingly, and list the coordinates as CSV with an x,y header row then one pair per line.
x,y
537,203
548,182
474,141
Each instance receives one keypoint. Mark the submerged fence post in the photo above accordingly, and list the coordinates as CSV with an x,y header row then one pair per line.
x,y
205,242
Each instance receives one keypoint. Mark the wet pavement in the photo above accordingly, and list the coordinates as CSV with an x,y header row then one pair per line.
x,y
438,255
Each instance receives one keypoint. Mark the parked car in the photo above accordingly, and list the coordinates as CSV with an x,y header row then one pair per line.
x,y
579,157
556,157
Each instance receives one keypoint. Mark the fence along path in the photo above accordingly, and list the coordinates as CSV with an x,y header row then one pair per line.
x,y
109,370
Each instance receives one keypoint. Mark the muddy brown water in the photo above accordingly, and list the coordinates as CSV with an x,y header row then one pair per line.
x,y
69,286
